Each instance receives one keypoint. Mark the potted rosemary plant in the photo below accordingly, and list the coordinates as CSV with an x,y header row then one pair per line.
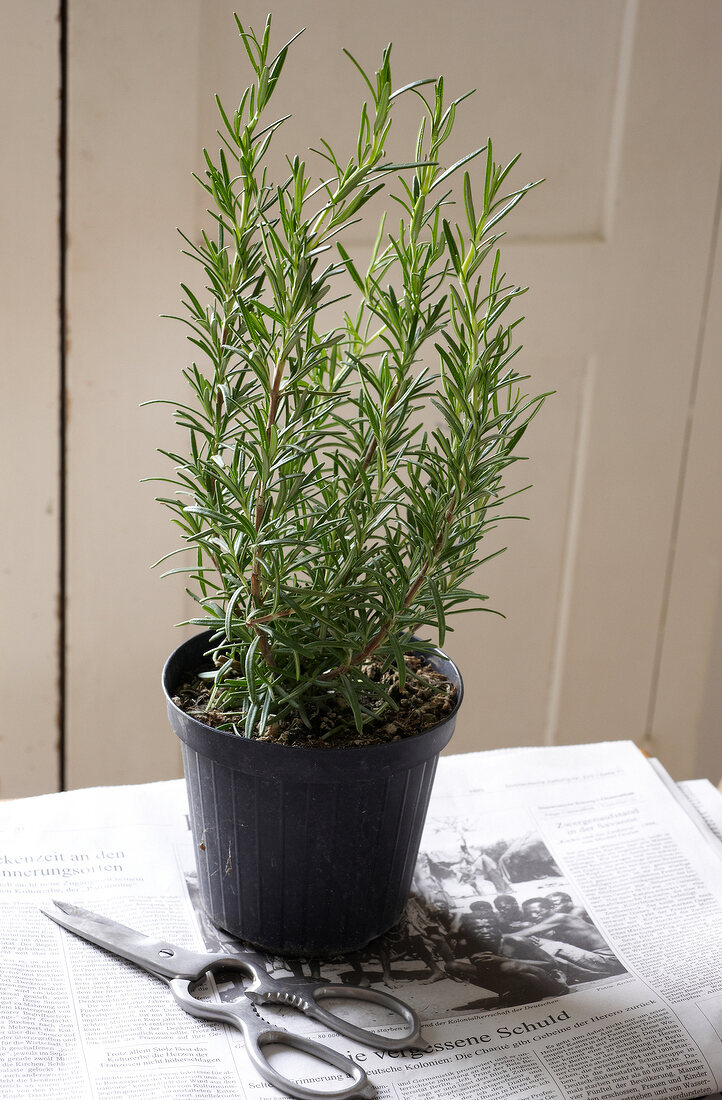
x,y
327,526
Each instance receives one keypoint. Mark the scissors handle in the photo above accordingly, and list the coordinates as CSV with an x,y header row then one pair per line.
x,y
306,994
258,1034
308,997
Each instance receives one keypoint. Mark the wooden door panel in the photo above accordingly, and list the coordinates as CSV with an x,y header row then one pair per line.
x,y
30,405
617,105
686,703
132,146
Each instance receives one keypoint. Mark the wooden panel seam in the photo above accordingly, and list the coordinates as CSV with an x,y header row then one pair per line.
x,y
648,742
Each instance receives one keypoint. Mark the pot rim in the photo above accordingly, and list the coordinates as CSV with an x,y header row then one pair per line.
x,y
211,741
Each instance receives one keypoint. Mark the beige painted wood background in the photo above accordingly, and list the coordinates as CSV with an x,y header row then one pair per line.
x,y
29,397
612,590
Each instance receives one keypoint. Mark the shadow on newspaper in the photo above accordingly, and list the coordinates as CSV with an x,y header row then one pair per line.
x,y
487,926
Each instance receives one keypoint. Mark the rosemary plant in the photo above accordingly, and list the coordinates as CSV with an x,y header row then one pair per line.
x,y
327,526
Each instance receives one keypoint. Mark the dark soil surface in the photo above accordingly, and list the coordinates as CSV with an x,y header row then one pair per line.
x,y
426,699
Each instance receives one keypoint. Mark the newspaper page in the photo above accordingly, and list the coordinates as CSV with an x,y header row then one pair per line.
x,y
707,801
563,940
701,802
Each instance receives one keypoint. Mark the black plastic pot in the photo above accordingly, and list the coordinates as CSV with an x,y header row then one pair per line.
x,y
304,851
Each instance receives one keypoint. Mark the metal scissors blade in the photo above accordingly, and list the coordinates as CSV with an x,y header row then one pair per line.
x,y
164,959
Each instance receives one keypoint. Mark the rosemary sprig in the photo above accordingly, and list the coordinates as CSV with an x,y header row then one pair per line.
x,y
325,525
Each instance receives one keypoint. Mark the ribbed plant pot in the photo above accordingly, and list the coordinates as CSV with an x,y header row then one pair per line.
x,y
303,851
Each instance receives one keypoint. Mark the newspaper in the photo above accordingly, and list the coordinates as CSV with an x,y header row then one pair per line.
x,y
563,942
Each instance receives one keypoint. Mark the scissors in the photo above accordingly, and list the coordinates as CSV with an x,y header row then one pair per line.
x,y
182,970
